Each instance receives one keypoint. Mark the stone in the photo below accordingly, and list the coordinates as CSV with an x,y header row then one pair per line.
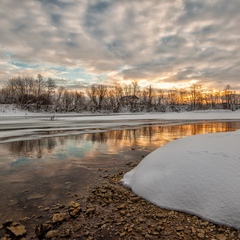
x,y
50,234
122,206
66,233
90,210
201,235
160,215
74,208
178,229
221,237
59,217
17,231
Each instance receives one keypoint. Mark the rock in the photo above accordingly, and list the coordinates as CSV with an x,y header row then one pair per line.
x,y
17,231
221,237
66,233
59,217
155,233
74,208
25,219
178,229
160,215
141,220
122,234
122,206
42,229
90,211
50,234
201,235
193,230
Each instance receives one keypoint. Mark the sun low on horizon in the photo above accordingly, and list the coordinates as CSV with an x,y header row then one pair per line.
x,y
165,44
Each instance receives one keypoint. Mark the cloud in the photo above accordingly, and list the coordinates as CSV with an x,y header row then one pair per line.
x,y
160,41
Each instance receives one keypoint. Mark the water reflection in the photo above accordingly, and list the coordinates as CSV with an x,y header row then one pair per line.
x,y
41,172
157,135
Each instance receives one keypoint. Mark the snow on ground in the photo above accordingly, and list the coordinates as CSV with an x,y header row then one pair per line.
x,y
18,125
198,175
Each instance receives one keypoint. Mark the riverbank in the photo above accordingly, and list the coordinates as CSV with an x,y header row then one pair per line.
x,y
111,211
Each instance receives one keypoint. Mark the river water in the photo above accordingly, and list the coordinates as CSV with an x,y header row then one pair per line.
x,y
38,174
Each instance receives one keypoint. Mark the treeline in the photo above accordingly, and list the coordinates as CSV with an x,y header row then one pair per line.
x,y
41,94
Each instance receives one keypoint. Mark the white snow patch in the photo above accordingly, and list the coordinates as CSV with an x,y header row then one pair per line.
x,y
198,175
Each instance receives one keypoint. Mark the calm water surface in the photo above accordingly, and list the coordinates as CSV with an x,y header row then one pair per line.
x,y
51,170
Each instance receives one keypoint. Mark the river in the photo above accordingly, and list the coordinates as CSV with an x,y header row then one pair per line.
x,y
41,173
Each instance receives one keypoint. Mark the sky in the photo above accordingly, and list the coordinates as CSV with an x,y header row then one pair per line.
x,y
165,44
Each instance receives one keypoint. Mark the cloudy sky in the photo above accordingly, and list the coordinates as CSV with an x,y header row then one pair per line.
x,y
163,43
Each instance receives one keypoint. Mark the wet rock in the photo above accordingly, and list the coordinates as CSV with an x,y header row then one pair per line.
x,y
59,217
17,230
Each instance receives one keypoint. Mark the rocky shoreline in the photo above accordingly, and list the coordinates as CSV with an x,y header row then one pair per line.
x,y
111,211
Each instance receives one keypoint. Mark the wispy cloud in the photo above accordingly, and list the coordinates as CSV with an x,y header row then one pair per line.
x,y
159,41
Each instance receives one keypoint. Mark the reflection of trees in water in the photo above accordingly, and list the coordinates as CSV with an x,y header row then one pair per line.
x,y
148,134
33,147
143,136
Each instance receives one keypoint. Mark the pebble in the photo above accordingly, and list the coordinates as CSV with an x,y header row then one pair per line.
x,y
50,234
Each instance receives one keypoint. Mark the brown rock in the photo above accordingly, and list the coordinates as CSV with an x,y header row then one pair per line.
x,y
201,235
179,228
66,233
122,206
74,208
90,210
221,237
17,231
59,217
50,234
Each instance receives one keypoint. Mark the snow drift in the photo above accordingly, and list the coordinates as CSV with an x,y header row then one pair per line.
x,y
198,175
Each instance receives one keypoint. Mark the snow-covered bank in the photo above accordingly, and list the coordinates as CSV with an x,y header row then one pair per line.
x,y
198,174
16,125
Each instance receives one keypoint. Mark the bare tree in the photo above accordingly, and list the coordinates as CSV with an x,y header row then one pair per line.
x,y
114,98
97,94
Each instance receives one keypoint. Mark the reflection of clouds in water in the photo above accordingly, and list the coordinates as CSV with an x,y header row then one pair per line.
x,y
88,145
21,161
